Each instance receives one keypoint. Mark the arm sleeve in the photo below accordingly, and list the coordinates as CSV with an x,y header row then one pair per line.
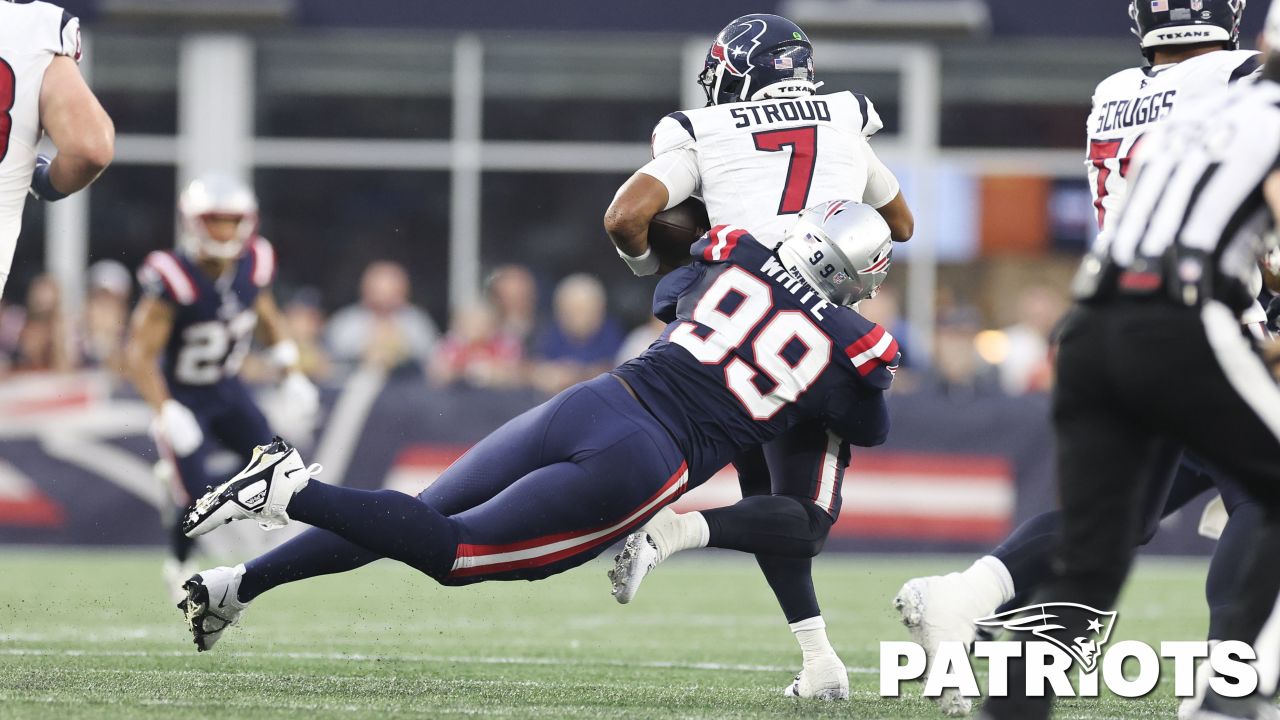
x,y
882,185
676,283
861,420
675,158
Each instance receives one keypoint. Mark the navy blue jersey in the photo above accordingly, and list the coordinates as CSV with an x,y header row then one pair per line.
x,y
214,318
751,351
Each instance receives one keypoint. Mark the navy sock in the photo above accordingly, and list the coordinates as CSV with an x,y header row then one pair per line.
x,y
314,552
388,523
1027,553
179,544
792,582
1227,565
769,524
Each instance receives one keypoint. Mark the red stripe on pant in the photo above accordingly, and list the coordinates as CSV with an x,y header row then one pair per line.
x,y
469,550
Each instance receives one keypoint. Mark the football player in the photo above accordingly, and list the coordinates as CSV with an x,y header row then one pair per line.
x,y
41,90
766,146
757,343
1191,48
189,334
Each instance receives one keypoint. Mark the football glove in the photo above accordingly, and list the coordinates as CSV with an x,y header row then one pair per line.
x,y
300,395
179,428
41,187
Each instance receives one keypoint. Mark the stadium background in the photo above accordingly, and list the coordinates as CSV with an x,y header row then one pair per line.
x,y
474,147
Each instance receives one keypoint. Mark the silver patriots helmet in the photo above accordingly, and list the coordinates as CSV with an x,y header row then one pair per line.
x,y
216,196
842,248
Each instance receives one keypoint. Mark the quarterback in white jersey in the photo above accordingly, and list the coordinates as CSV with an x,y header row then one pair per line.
x,y
764,148
39,49
758,162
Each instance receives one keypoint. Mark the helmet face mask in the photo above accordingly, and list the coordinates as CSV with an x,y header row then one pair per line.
x,y
757,57
219,216
1185,22
841,248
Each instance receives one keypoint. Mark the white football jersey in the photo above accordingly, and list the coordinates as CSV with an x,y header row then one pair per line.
x,y
31,34
1129,103
758,164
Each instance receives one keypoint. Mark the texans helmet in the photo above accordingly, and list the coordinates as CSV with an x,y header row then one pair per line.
x,y
1159,23
758,56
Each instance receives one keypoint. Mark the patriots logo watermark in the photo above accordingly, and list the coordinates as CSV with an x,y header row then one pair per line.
x,y
735,51
1052,621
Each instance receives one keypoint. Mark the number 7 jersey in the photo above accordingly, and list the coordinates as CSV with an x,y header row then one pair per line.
x,y
750,352
758,164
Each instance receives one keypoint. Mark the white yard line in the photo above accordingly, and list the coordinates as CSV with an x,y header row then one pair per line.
x,y
467,659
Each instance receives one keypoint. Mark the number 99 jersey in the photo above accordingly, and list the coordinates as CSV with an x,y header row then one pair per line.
x,y
758,164
214,319
750,352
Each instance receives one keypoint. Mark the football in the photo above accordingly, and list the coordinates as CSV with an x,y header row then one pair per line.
x,y
671,232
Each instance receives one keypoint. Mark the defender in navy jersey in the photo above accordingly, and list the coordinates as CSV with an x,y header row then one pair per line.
x,y
752,351
190,333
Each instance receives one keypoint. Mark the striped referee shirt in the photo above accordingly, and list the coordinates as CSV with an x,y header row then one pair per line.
x,y
1197,188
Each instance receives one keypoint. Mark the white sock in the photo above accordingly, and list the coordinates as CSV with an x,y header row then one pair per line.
x,y
811,633
991,580
684,531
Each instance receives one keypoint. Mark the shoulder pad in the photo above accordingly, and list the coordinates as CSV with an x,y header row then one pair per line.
x,y
871,122
719,243
672,133
1246,68
263,257
69,36
162,275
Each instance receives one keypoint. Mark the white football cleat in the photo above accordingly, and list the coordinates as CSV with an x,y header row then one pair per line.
x,y
1252,707
212,604
175,574
639,555
664,535
935,610
261,491
822,678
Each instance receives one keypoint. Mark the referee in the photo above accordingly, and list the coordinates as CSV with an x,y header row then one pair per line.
x,y
1153,357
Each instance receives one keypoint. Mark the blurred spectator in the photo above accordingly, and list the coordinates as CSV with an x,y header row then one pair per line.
x,y
514,296
43,343
1025,365
581,341
383,329
474,352
106,315
305,318
639,340
959,371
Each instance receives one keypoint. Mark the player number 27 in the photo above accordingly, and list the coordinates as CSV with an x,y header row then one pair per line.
x,y
803,142
730,330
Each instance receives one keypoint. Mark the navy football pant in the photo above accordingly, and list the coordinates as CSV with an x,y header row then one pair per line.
x,y
546,492
790,499
227,415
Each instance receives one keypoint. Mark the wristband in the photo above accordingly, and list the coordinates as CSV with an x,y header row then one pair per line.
x,y
646,264
41,186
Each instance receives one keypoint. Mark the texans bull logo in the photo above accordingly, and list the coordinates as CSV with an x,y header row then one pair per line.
x,y
1088,628
736,50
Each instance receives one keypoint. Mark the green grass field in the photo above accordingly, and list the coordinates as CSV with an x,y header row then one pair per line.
x,y
89,635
